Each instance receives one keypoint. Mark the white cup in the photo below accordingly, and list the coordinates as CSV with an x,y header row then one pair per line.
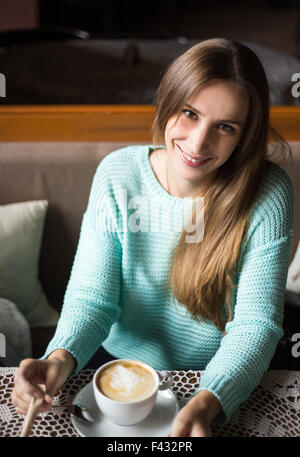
x,y
131,412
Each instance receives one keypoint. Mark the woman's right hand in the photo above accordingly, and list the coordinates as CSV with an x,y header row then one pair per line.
x,y
51,372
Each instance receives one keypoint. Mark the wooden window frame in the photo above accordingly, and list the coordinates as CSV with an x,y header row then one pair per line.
x,y
94,123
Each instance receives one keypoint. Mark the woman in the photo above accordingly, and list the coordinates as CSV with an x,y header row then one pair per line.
x,y
142,285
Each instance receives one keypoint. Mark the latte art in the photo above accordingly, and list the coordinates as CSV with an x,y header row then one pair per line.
x,y
126,382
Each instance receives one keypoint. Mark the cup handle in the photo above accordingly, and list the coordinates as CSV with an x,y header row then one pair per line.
x,y
165,378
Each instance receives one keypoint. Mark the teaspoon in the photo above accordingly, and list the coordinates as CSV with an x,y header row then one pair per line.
x,y
82,413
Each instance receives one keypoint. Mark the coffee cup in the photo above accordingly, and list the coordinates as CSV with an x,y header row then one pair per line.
x,y
125,390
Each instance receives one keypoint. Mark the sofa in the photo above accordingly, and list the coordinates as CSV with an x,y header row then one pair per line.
x,y
61,174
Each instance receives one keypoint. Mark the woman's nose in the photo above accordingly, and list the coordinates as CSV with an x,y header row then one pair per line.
x,y
199,139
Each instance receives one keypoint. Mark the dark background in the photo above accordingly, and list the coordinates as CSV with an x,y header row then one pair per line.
x,y
269,22
130,43
172,18
273,22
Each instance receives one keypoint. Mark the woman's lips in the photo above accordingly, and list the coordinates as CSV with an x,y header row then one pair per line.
x,y
196,164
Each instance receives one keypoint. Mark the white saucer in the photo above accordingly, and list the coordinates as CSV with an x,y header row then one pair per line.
x,y
158,423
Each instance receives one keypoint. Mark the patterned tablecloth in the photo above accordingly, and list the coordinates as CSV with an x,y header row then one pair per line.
x,y
273,409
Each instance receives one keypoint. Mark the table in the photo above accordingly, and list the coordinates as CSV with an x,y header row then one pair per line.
x,y
273,408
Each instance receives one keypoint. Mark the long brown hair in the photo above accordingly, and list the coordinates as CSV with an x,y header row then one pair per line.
x,y
202,274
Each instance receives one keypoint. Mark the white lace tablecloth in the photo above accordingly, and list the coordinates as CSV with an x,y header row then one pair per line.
x,y
273,408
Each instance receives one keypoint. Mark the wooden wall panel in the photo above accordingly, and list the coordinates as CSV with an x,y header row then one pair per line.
x,y
105,122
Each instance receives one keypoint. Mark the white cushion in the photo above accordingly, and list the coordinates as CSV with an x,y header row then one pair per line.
x,y
15,343
21,230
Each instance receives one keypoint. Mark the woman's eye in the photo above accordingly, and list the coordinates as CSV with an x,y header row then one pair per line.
x,y
227,128
190,114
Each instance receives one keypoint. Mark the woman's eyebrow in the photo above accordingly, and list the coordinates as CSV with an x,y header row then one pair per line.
x,y
230,121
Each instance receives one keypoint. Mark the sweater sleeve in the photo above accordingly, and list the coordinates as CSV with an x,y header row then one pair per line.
x,y
91,301
251,337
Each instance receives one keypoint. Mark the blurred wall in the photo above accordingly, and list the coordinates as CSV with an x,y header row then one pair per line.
x,y
15,14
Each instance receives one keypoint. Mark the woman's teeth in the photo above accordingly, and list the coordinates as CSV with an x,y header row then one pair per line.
x,y
193,160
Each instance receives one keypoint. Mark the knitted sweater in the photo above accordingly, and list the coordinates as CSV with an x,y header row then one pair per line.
x,y
117,295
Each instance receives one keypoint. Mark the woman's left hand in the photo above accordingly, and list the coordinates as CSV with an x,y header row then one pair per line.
x,y
195,417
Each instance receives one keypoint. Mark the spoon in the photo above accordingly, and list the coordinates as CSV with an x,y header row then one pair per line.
x,y
35,403
82,413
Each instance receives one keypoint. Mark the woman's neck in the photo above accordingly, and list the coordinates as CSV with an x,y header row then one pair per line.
x,y
165,175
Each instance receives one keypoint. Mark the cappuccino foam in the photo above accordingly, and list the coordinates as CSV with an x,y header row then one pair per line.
x,y
126,382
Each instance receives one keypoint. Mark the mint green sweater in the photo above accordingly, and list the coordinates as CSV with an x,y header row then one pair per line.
x,y
117,296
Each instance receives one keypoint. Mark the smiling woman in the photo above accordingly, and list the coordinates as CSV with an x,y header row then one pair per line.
x,y
224,315
213,102
208,131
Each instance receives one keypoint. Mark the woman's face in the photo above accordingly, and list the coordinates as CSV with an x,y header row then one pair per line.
x,y
204,136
